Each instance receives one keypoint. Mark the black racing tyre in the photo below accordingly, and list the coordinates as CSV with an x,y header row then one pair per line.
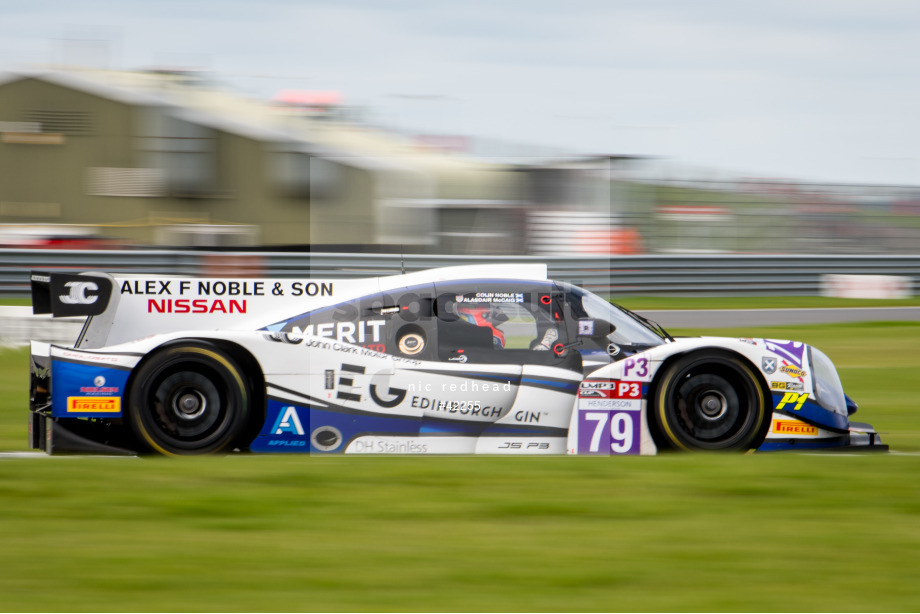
x,y
189,398
710,401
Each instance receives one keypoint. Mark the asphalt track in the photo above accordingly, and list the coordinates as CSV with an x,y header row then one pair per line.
x,y
739,318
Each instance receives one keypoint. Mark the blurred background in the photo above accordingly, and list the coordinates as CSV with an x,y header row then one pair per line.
x,y
641,148
608,130
101,159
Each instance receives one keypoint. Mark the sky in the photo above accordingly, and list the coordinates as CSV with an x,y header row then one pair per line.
x,y
811,90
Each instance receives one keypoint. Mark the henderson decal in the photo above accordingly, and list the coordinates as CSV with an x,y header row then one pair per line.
x,y
610,395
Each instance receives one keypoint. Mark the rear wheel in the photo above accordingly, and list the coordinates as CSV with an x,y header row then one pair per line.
x,y
189,398
710,401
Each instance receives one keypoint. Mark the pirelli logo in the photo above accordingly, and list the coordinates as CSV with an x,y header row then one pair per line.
x,y
793,427
93,405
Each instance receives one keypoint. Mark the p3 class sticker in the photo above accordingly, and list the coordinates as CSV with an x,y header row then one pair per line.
x,y
636,368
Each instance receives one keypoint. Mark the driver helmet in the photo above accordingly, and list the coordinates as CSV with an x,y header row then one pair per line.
x,y
481,315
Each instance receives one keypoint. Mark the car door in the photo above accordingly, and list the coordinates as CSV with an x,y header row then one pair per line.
x,y
507,332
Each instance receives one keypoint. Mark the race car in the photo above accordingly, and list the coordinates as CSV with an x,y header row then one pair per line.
x,y
480,359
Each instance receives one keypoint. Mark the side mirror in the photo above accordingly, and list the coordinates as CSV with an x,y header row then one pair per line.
x,y
594,328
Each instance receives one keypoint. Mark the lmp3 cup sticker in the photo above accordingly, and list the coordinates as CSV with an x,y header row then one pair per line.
x,y
610,395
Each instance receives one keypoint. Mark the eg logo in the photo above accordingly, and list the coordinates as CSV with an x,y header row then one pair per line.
x,y
348,389
288,422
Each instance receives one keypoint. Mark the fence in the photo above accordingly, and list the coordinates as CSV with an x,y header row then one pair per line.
x,y
648,275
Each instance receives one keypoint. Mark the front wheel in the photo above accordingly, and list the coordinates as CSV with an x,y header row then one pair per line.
x,y
189,398
710,401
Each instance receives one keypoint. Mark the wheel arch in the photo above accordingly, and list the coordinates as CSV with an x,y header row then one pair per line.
x,y
251,371
659,438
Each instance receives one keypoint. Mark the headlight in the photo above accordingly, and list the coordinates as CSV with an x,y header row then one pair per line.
x,y
828,389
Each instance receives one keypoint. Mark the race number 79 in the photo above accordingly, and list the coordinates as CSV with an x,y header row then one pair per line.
x,y
605,432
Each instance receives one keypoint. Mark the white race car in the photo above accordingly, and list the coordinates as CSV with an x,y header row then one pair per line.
x,y
458,360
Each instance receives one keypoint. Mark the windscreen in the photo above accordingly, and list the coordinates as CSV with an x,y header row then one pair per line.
x,y
628,330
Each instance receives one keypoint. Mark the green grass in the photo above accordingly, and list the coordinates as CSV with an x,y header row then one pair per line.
x,y
15,302
768,532
674,533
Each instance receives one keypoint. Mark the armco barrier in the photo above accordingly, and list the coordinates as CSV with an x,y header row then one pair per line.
x,y
662,275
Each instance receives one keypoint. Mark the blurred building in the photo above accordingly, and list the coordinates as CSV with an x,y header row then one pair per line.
x,y
165,158
93,158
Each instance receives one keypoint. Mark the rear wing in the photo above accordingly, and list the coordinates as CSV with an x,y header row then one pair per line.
x,y
67,294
